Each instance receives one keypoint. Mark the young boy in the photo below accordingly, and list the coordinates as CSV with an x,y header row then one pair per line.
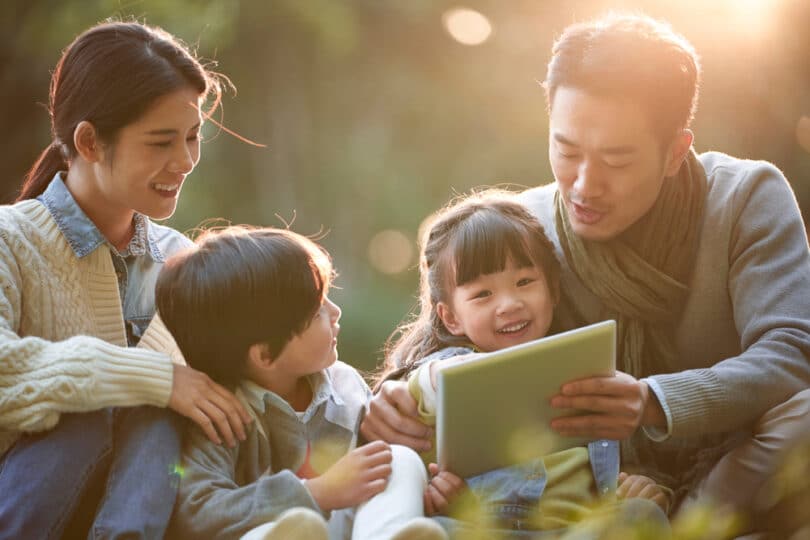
x,y
249,308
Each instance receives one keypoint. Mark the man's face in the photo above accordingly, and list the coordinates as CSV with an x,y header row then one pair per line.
x,y
608,162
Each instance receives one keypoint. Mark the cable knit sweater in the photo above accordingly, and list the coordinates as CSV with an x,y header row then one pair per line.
x,y
62,338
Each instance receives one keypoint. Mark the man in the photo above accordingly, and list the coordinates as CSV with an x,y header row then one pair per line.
x,y
702,260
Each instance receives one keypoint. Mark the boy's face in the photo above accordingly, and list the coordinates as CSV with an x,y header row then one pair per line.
x,y
608,161
501,309
315,348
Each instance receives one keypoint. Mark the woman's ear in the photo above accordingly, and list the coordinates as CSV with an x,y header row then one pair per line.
x,y
87,143
449,319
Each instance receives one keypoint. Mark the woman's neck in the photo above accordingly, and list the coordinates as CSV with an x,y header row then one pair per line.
x,y
115,223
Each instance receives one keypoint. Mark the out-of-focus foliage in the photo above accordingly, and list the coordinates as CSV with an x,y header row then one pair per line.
x,y
373,115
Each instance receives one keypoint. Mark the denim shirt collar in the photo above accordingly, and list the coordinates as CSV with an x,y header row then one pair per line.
x,y
259,397
82,234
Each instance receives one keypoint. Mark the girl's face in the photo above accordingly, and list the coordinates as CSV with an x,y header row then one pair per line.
x,y
144,168
501,309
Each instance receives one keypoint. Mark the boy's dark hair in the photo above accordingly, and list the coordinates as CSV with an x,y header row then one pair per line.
x,y
472,236
239,287
629,56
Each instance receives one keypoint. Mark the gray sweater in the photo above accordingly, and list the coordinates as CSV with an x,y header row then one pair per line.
x,y
225,492
743,341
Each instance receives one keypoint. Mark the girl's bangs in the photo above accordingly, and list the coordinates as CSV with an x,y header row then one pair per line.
x,y
484,244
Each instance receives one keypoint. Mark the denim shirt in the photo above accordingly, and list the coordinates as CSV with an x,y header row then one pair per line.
x,y
136,268
510,495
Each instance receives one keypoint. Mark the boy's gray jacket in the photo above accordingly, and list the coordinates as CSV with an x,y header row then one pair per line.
x,y
224,492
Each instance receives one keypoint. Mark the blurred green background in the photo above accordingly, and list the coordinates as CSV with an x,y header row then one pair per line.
x,y
375,112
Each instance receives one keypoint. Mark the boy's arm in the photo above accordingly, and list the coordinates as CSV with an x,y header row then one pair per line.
x,y
210,504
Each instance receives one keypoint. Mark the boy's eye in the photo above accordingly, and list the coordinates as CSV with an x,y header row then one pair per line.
x,y
161,144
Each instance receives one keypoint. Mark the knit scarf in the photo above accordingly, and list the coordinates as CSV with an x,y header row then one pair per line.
x,y
643,274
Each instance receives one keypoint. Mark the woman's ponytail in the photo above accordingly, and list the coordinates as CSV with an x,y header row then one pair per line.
x,y
50,162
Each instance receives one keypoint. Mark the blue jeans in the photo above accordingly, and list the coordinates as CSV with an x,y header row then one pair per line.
x,y
110,473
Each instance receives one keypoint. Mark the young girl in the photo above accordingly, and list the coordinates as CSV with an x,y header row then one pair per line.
x,y
489,280
80,453
250,308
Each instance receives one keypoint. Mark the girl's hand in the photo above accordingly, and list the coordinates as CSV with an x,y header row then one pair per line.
x,y
442,490
637,486
392,417
211,406
354,479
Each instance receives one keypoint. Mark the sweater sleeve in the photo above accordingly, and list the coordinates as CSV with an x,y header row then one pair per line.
x,y
768,285
211,504
40,379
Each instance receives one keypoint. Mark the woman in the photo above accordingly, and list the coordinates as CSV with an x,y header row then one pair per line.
x,y
87,447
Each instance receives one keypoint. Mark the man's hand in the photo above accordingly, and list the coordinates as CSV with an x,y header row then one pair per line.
x,y
354,478
444,488
211,406
642,487
620,404
392,417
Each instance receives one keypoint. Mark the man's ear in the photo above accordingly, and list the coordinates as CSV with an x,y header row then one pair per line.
x,y
449,319
87,143
259,356
678,150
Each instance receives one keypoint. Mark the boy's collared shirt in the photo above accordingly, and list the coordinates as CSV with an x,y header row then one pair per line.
x,y
136,268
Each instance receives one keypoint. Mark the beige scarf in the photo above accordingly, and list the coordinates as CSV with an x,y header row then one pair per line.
x,y
643,274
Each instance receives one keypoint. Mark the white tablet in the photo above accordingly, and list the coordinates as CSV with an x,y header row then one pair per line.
x,y
494,410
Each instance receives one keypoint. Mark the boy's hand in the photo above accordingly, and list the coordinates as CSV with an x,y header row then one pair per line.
x,y
637,486
444,488
392,417
354,479
210,405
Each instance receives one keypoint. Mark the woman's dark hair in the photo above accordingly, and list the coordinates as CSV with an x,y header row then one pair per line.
x,y
239,287
109,76
472,236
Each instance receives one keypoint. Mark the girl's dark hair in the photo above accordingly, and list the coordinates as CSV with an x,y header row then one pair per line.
x,y
109,76
239,287
473,235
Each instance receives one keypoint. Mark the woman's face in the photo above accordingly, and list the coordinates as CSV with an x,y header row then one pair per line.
x,y
145,167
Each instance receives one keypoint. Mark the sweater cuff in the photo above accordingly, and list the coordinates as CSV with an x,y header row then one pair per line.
x,y
655,433
694,399
133,376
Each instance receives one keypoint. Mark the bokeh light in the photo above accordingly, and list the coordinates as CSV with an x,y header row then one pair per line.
x,y
390,251
467,26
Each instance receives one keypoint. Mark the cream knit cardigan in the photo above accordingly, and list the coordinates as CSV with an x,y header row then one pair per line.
x,y
62,339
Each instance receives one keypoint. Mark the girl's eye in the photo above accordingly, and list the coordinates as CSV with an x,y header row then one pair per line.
x,y
618,165
524,281
481,294
567,155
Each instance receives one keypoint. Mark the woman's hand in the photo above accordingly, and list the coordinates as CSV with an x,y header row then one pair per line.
x,y
442,490
354,478
392,417
642,487
215,409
